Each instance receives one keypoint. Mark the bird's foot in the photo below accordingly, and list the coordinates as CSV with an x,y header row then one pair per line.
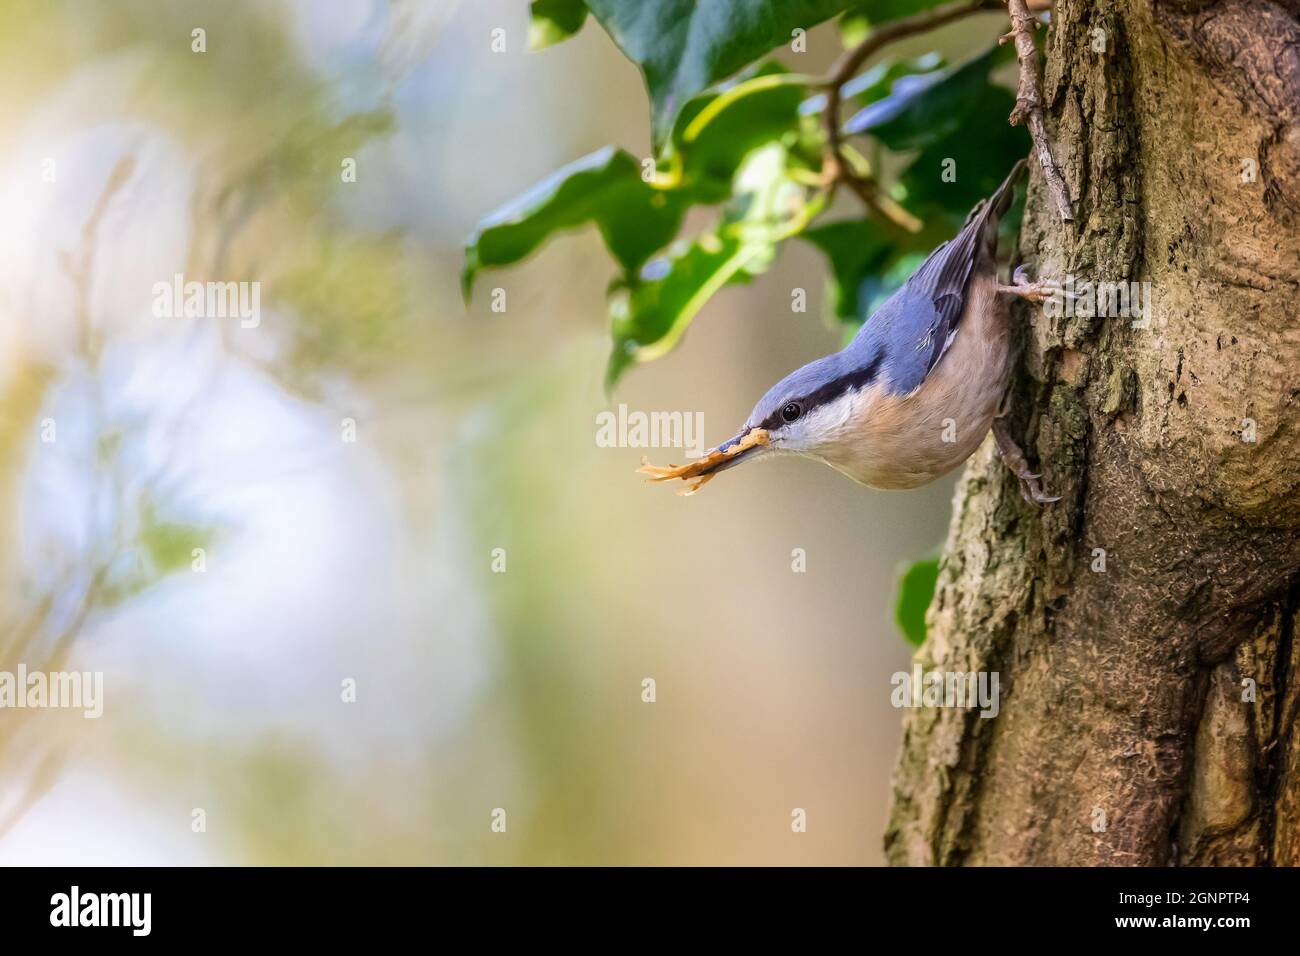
x,y
1025,289
1018,464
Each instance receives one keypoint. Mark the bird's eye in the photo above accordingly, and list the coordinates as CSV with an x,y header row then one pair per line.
x,y
791,411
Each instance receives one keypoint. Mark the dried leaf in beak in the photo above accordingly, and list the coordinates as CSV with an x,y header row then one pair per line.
x,y
704,469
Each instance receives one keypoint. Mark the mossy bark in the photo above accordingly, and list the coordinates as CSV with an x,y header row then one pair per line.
x,y
1143,626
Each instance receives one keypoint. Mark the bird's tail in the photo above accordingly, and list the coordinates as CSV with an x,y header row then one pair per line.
x,y
988,212
1000,201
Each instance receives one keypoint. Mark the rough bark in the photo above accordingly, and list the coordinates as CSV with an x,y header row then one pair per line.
x,y
1147,709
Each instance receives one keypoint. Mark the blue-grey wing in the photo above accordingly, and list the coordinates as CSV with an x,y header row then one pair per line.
x,y
912,330
910,333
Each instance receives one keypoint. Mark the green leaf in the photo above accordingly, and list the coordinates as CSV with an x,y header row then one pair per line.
x,y
922,109
170,546
952,174
160,547
856,249
879,11
635,219
554,21
653,313
915,592
854,28
650,315
685,46
716,135
768,207
861,15
876,83
716,131
960,119
875,289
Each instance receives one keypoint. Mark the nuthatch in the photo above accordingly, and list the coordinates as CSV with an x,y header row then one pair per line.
x,y
915,392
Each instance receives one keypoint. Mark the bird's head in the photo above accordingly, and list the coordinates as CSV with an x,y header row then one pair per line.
x,y
806,413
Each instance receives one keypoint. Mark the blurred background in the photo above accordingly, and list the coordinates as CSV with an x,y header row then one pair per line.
x,y
185,508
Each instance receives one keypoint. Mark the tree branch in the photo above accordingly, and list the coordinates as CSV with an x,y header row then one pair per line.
x,y
1131,619
1029,103
834,168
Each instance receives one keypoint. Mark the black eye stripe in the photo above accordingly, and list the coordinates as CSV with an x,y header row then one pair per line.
x,y
832,390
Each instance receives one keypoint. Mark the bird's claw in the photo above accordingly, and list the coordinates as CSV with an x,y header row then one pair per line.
x,y
1016,462
1033,493
1030,489
1033,292
1023,287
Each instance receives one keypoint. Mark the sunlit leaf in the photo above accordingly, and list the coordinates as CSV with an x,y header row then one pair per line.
x,y
650,315
554,20
768,207
717,130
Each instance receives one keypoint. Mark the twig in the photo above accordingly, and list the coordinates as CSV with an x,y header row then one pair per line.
x,y
81,270
1029,103
834,167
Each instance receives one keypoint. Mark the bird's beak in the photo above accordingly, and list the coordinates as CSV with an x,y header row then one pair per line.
x,y
749,443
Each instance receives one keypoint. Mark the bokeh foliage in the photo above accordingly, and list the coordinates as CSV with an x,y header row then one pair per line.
x,y
916,586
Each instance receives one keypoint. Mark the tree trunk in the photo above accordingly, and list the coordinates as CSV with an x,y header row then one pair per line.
x,y
1143,627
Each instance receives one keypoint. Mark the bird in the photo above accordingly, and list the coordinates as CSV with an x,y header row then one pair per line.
x,y
913,394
